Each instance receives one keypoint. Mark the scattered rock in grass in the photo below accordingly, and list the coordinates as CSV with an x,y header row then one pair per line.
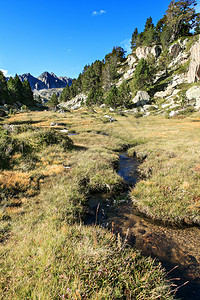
x,y
111,119
57,124
173,113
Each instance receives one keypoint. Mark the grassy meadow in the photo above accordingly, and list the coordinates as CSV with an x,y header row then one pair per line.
x,y
46,252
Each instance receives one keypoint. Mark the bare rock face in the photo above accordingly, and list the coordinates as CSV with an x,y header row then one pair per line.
x,y
143,52
175,50
194,94
194,68
131,60
142,98
46,81
74,103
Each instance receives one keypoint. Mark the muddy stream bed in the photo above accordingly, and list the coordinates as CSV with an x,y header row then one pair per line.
x,y
178,249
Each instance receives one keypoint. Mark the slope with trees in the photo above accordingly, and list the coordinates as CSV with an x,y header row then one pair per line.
x,y
101,80
15,92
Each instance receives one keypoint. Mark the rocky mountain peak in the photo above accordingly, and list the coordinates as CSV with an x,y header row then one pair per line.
x,y
45,81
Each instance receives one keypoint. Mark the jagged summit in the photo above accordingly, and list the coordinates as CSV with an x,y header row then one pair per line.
x,y
46,81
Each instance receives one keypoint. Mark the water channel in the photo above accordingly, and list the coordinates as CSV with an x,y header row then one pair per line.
x,y
175,248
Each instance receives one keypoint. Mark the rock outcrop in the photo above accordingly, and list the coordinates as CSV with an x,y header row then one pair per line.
x,y
194,68
131,60
142,98
143,52
193,94
175,50
74,103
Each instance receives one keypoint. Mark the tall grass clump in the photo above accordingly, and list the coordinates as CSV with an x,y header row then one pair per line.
x,y
79,262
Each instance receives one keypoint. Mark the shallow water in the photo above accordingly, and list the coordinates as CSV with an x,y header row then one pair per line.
x,y
172,246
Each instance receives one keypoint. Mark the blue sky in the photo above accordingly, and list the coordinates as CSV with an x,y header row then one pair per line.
x,y
63,36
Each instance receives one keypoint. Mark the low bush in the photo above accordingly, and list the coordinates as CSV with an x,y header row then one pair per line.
x,y
47,137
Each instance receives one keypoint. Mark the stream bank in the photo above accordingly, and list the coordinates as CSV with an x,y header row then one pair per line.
x,y
177,248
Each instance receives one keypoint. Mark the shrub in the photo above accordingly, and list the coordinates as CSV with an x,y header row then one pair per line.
x,y
47,137
188,111
138,115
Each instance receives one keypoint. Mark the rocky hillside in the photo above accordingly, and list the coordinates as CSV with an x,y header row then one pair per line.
x,y
175,88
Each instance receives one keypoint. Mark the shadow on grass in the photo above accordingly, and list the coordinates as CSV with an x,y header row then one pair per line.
x,y
28,122
79,148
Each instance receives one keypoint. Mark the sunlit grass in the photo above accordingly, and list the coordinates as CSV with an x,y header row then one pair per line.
x,y
46,251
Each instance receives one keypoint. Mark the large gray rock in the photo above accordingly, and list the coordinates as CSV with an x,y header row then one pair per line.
x,y
143,52
142,98
194,94
194,68
74,103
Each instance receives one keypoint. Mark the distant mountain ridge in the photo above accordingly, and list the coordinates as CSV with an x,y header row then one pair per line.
x,y
46,81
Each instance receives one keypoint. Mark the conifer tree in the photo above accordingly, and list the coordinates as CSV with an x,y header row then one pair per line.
x,y
143,76
112,99
125,95
197,25
140,39
181,17
27,92
95,97
3,89
53,102
149,33
19,95
65,96
134,39
11,89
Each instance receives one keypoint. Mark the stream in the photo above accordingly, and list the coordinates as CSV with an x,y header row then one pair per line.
x,y
178,249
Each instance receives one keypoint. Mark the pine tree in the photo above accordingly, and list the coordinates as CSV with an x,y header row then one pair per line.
x,y
181,17
72,91
118,53
125,95
134,39
143,76
197,25
149,33
107,77
11,88
3,89
140,39
53,102
161,24
27,92
18,90
65,96
95,97
112,99
164,60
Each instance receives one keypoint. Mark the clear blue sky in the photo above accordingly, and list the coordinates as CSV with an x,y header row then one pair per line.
x,y
63,36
